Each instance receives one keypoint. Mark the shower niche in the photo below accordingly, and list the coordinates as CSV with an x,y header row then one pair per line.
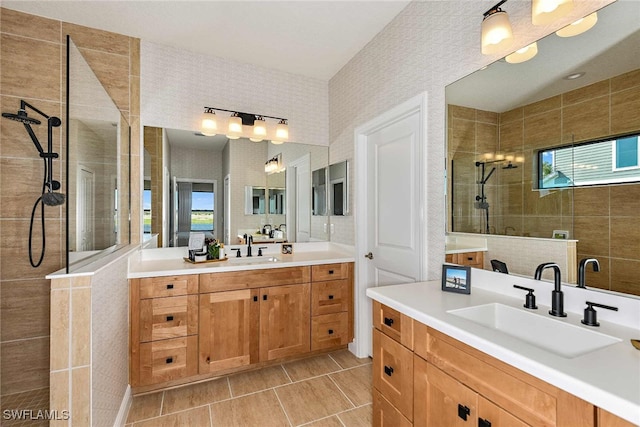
x,y
97,182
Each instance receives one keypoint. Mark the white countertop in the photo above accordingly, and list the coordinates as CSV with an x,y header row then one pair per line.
x,y
453,248
608,378
170,262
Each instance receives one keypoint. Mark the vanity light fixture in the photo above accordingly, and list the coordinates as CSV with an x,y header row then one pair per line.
x,y
238,123
496,30
274,164
522,55
579,27
545,12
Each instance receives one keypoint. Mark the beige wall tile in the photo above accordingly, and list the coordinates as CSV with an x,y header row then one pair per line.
x,y
624,276
81,281
60,327
597,279
625,81
486,117
625,110
486,137
62,283
591,201
113,72
24,309
36,27
91,38
511,200
553,103
36,75
517,114
134,91
463,135
18,376
584,121
458,112
542,130
592,234
625,201
586,93
625,237
59,396
134,52
81,396
511,136
80,327
253,410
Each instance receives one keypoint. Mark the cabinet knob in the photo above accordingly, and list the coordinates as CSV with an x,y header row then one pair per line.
x,y
169,360
208,360
463,411
388,321
330,271
169,318
330,296
255,298
330,331
483,423
264,297
170,286
388,370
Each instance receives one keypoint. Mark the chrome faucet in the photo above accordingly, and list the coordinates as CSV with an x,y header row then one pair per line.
x,y
249,239
557,297
581,269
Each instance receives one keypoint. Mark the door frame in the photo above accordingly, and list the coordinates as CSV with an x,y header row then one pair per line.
x,y
362,345
81,206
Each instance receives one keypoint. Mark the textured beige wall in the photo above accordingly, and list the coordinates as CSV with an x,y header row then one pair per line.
x,y
32,67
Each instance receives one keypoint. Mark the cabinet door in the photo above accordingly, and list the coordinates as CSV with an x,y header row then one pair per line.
x,y
228,327
385,414
607,419
393,372
441,400
491,415
285,313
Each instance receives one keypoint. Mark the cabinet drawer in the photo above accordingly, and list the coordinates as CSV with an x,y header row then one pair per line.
x,y
474,259
324,272
393,323
329,330
393,372
384,413
168,360
170,286
330,297
236,280
172,317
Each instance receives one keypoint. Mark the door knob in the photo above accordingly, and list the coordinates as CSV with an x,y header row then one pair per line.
x,y
369,255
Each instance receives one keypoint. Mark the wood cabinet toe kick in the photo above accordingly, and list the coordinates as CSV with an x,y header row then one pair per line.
x,y
193,327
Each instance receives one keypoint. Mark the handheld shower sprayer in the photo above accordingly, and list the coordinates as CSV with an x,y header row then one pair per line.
x,y
48,196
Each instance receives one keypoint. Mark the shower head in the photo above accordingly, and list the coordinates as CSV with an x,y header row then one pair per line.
x,y
22,117
53,198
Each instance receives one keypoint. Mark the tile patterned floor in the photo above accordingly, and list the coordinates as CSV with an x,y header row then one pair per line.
x,y
322,391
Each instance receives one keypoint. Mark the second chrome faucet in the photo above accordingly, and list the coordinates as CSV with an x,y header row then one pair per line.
x,y
557,297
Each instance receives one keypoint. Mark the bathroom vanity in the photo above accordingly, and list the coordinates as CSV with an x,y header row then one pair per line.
x,y
482,359
192,322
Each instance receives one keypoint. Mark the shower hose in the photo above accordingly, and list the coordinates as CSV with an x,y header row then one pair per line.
x,y
33,213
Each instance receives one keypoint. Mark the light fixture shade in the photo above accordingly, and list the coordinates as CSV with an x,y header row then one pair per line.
x,y
276,142
209,124
545,12
234,126
259,127
522,55
282,130
496,33
256,139
579,27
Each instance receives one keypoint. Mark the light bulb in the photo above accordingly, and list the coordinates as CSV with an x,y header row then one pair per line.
x,y
496,33
282,130
209,123
259,127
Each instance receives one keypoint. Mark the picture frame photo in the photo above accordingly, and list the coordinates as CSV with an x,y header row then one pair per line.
x,y
560,234
456,278
287,248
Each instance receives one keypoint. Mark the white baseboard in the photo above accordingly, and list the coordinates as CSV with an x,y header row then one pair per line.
x,y
124,408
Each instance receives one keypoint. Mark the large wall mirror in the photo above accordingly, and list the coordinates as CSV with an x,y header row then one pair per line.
x,y
257,188
521,151
98,142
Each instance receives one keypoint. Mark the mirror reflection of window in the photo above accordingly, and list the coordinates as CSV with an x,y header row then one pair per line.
x,y
319,187
338,188
146,207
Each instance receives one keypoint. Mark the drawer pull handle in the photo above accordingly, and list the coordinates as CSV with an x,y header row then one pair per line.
x,y
169,360
255,298
469,258
169,318
264,297
463,411
330,331
170,286
388,321
388,370
330,296
208,360
483,423
330,271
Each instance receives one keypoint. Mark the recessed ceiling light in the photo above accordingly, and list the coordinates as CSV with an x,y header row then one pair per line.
x,y
574,76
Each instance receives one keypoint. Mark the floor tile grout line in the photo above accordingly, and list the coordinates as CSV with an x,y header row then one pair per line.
x,y
282,407
229,385
341,391
162,402
286,373
210,415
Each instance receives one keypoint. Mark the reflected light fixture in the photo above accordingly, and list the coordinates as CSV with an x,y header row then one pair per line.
x,y
209,123
522,55
496,30
274,164
239,123
579,27
545,12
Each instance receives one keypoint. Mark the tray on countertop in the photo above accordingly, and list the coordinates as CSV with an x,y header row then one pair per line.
x,y
205,261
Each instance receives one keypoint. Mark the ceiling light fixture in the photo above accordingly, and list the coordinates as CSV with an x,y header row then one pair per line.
x,y
274,164
496,30
545,12
522,55
579,27
237,126
574,76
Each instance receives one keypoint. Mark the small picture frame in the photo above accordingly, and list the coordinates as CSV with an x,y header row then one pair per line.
x,y
560,234
456,278
287,248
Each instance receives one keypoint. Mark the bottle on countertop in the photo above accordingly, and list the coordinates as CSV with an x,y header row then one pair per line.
x,y
221,254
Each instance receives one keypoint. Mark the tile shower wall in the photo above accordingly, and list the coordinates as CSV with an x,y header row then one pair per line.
x,y
427,46
604,219
32,56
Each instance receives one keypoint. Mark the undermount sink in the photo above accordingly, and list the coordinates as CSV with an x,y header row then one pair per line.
x,y
254,260
561,338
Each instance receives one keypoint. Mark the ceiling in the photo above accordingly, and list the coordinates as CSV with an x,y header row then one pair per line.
x,y
310,38
610,48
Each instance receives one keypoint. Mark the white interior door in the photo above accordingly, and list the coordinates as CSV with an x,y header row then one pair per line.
x,y
299,211
390,233
227,210
85,239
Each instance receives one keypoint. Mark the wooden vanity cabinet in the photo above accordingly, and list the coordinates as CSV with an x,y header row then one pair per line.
x,y
472,259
